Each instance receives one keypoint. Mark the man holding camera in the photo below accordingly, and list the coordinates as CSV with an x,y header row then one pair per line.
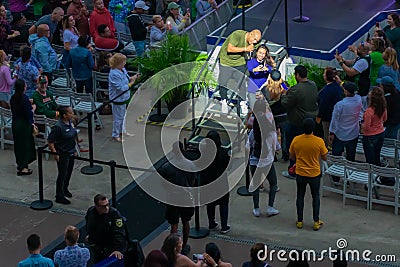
x,y
232,55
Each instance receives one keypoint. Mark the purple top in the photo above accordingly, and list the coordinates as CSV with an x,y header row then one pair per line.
x,y
17,5
6,82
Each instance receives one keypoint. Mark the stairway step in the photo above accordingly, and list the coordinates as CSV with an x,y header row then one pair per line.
x,y
195,141
219,125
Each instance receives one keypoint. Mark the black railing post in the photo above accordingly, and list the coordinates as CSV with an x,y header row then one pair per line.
x,y
198,232
41,204
91,169
301,18
244,190
113,186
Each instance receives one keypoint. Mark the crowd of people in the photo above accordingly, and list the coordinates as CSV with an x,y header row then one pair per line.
x,y
363,103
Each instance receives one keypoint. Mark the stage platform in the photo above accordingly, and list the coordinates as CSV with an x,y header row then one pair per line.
x,y
333,24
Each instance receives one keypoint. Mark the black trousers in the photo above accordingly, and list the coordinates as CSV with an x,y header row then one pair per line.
x,y
65,165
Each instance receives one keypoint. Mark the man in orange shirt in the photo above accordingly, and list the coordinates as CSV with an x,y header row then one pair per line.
x,y
306,150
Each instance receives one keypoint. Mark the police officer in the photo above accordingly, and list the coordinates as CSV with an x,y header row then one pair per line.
x,y
105,230
62,140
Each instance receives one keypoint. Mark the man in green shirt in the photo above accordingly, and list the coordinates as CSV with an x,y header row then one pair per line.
x,y
44,100
232,55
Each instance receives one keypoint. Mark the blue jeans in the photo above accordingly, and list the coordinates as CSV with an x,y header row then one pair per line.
x,y
139,47
372,148
314,183
87,84
273,186
339,145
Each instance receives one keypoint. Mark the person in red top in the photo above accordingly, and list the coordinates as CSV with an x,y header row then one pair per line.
x,y
100,15
372,127
81,15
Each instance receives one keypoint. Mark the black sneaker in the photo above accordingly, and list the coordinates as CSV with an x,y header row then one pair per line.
x,y
62,200
186,250
225,230
213,226
67,194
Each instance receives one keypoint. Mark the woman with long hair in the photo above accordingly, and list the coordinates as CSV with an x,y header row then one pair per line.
x,y
377,49
261,143
174,19
257,252
6,81
392,31
372,127
70,39
391,66
172,248
22,128
212,256
392,96
119,84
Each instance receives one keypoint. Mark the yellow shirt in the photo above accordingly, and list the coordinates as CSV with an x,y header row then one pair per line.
x,y
308,149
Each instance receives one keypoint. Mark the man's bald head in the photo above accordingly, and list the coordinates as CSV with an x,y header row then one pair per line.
x,y
43,30
254,36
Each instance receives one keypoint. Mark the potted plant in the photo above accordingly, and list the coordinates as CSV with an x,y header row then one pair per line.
x,y
174,50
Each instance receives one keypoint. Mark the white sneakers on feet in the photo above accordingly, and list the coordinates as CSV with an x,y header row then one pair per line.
x,y
256,212
271,211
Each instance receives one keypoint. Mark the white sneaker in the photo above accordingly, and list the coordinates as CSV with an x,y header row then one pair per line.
x,y
271,211
256,212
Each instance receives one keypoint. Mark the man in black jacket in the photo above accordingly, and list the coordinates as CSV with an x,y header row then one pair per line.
x,y
138,27
105,230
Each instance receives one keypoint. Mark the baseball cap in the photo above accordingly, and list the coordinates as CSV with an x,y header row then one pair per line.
x,y
386,80
275,75
172,5
142,5
350,87
42,79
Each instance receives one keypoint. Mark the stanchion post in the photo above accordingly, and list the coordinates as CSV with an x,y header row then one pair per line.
x,y
158,117
41,204
244,190
301,18
198,232
91,169
113,186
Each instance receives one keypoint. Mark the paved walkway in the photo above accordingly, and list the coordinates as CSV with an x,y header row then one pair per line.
x,y
375,230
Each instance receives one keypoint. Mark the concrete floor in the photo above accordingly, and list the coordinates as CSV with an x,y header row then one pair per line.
x,y
375,230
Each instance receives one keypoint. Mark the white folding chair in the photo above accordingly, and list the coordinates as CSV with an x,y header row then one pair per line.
x,y
333,166
61,78
389,152
83,103
62,96
6,127
100,79
357,174
384,199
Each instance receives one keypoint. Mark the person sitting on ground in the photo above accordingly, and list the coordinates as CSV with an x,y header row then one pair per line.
x,y
35,259
73,255
172,248
212,256
255,259
105,41
177,21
